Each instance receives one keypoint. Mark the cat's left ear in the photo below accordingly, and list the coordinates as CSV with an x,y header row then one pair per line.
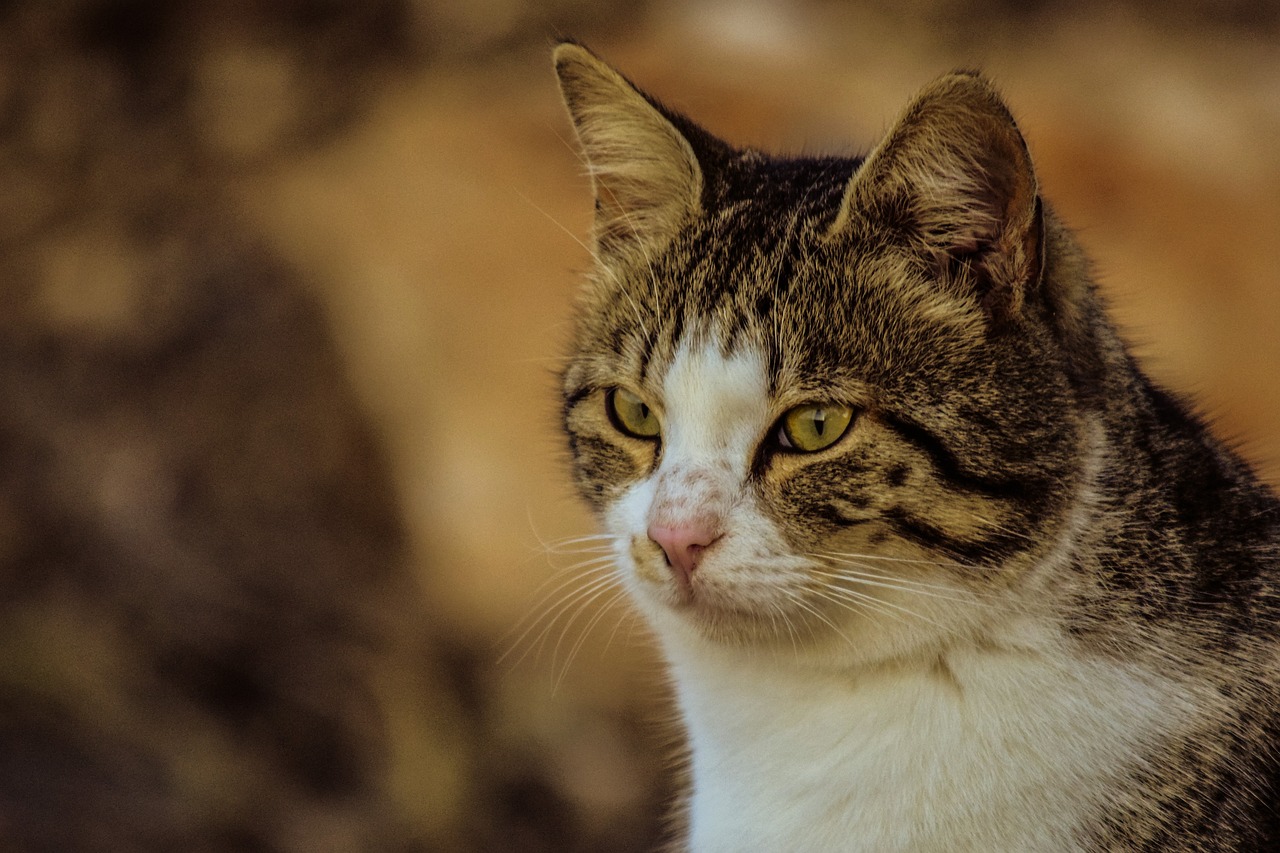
x,y
954,179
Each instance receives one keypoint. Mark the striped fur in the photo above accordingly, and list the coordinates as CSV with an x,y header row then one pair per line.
x,y
1025,602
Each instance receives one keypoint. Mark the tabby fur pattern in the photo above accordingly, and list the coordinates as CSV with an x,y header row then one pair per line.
x,y
1027,602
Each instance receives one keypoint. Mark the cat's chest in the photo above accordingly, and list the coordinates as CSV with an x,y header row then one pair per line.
x,y
988,753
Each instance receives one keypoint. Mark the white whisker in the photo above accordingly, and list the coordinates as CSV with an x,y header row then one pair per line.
x,y
579,545
580,599
855,571
610,602
799,602
889,608
600,570
628,616
901,586
941,564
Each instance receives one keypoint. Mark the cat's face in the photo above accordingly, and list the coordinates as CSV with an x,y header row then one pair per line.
x,y
808,407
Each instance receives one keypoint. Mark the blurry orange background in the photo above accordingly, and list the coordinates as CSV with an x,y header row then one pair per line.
x,y
437,220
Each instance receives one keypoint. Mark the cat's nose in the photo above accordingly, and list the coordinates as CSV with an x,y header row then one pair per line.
x,y
683,544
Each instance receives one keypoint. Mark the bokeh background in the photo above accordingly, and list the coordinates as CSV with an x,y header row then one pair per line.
x,y
283,510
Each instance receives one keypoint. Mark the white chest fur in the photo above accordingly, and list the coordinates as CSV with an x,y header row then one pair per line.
x,y
993,751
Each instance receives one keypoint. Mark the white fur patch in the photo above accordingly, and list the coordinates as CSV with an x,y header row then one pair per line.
x,y
1007,751
717,408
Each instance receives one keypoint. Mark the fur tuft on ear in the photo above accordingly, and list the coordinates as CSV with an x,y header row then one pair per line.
x,y
646,177
954,179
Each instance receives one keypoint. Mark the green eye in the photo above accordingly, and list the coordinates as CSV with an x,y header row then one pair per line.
x,y
631,415
814,426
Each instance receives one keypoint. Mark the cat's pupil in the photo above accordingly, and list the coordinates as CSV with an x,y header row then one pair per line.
x,y
820,422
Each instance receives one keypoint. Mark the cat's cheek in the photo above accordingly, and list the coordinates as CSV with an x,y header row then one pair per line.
x,y
625,520
644,563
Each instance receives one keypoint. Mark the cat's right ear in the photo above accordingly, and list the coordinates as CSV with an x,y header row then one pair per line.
x,y
647,180
954,180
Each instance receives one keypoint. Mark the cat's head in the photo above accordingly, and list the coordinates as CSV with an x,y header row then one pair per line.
x,y
822,400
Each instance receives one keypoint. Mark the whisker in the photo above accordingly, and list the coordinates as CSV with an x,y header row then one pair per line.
x,y
587,592
576,150
567,575
628,616
855,602
865,580
777,613
554,585
582,602
856,560
872,601
995,599
826,592
540,614
600,264
579,545
601,610
799,602
894,583
558,546
942,564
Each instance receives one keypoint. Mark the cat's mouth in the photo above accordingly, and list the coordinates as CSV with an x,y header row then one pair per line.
x,y
734,618
718,598
683,587
705,601
748,600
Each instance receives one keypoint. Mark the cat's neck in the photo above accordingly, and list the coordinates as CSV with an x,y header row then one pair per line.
x,y
796,757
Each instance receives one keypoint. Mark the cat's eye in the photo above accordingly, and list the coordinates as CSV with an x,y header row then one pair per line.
x,y
814,426
631,415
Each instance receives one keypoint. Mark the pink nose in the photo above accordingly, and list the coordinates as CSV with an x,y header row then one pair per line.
x,y
683,545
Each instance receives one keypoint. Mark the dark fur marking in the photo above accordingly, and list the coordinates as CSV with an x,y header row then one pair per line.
x,y
897,475
646,356
836,516
858,501
949,466
576,396
988,552
774,367
764,304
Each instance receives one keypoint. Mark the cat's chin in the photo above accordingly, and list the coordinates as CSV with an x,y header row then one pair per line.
x,y
724,617
726,625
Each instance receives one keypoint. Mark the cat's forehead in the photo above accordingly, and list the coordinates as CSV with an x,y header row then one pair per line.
x,y
758,273
732,278
714,399
811,185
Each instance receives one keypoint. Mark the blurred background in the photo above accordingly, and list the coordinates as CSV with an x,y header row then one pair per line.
x,y
284,516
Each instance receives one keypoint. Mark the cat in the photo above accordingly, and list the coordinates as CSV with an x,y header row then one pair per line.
x,y
934,565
